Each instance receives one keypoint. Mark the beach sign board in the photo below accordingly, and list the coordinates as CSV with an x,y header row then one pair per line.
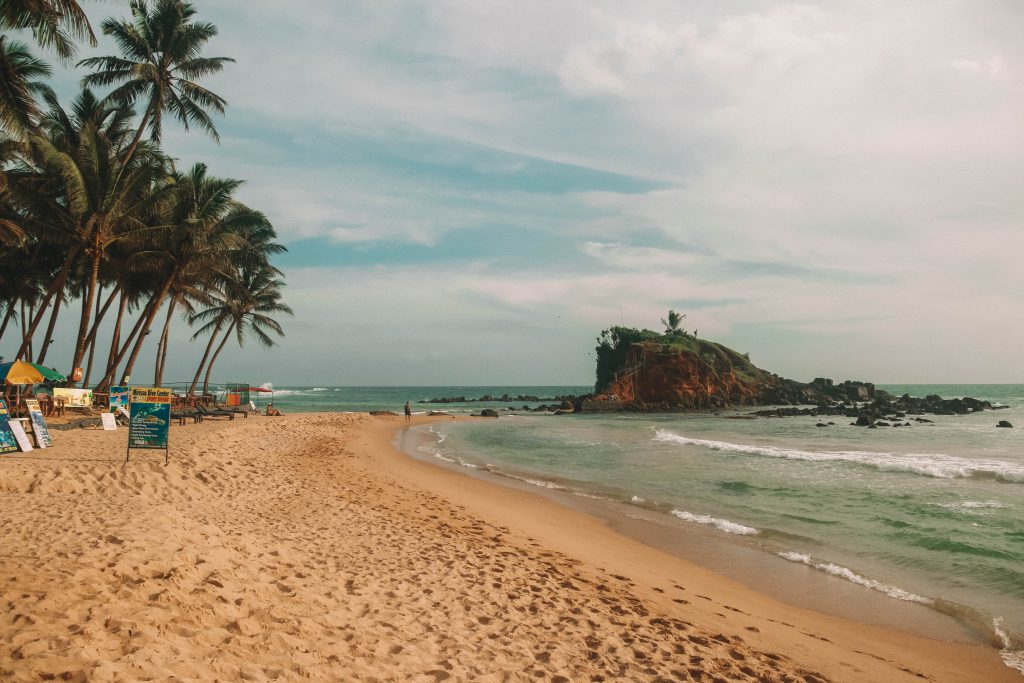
x,y
43,439
150,418
75,398
20,436
8,442
109,421
118,397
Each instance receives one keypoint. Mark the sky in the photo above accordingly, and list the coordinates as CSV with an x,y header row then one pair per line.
x,y
470,192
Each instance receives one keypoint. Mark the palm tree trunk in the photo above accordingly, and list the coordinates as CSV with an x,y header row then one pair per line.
x,y
115,339
49,329
209,368
7,318
24,329
149,314
206,354
29,332
90,341
57,286
101,313
87,304
130,152
161,350
112,367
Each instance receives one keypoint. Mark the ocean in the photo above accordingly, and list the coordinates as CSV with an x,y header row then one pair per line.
x,y
929,516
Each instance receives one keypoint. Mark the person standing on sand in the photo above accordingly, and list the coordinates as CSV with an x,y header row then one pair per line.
x,y
408,412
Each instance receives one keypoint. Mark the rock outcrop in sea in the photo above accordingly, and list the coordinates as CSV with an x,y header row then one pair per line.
x,y
643,371
682,372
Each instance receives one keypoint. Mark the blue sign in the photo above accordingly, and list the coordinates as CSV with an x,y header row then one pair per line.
x,y
8,444
150,418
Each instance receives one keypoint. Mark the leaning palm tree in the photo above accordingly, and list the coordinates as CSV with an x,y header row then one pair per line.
x,y
84,137
254,258
160,62
54,23
200,229
19,110
103,201
250,298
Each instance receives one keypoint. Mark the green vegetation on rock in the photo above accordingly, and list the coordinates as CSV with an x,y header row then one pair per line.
x,y
613,348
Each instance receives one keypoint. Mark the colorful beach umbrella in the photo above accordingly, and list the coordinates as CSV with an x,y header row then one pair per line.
x,y
23,372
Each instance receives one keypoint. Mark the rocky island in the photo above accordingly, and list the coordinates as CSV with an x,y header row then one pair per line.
x,y
647,371
675,371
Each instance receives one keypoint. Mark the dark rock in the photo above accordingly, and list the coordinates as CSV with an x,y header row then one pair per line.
x,y
488,412
864,421
1004,423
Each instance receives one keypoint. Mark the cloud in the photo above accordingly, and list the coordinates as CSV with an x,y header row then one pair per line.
x,y
837,183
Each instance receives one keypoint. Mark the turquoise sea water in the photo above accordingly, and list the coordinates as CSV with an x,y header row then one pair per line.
x,y
930,514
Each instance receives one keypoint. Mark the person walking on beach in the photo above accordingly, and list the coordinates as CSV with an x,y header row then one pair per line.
x,y
408,412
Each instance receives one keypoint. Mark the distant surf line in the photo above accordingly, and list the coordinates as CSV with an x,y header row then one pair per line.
x,y
927,464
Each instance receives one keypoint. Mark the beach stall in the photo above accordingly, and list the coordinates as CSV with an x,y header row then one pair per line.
x,y
20,373
243,395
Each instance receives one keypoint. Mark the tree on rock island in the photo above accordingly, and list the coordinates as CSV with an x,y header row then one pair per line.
x,y
672,324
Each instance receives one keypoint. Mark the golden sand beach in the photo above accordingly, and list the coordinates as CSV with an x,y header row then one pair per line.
x,y
307,547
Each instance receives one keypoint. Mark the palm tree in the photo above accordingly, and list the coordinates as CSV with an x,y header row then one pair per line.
x,y
246,305
19,88
201,229
160,63
672,323
12,218
105,122
53,23
260,245
102,200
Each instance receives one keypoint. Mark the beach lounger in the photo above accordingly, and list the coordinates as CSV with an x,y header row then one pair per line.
x,y
210,412
182,415
238,410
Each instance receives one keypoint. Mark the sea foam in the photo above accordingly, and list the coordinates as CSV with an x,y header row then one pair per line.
x,y
927,464
720,524
1012,658
853,577
973,505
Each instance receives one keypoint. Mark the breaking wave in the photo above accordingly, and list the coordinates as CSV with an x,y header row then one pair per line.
x,y
926,464
1012,658
720,524
852,577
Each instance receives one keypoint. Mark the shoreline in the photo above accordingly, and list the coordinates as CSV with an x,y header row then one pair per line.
x,y
307,546
876,611
796,584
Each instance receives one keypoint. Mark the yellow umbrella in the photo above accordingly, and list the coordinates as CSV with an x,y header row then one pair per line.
x,y
20,372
